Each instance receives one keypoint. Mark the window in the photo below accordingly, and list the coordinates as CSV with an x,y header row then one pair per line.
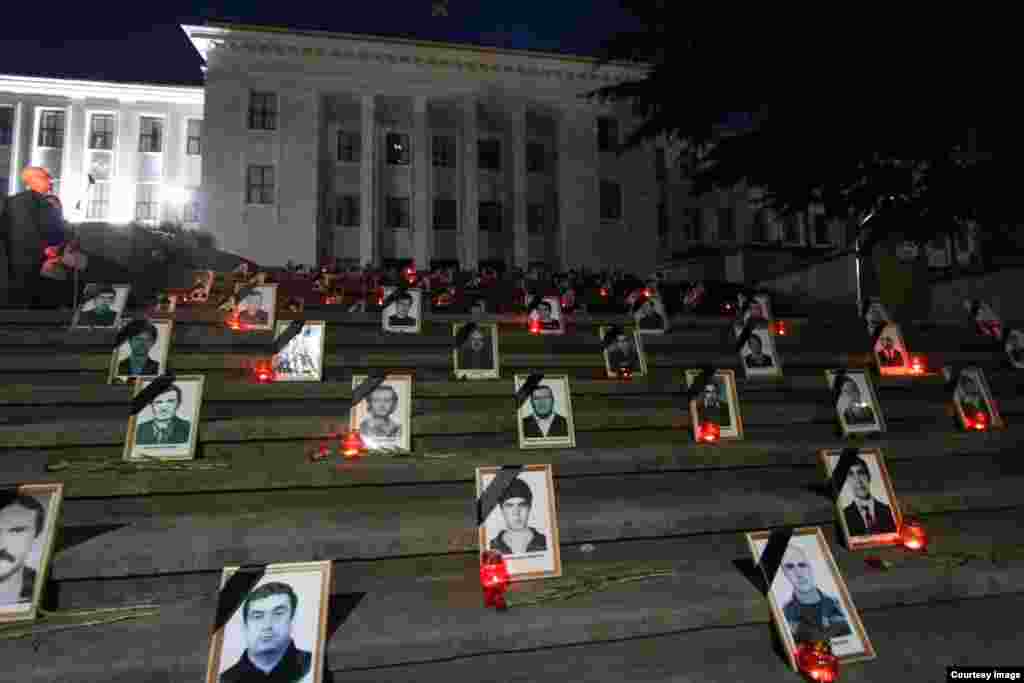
x,y
445,214
262,111
660,164
726,224
490,216
662,220
147,202
6,126
489,155
607,134
190,209
397,149
791,229
535,219
611,201
347,214
151,133
4,184
101,131
259,186
194,138
398,212
98,207
535,157
349,146
51,129
444,151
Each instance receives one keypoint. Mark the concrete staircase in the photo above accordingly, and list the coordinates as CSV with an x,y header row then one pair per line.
x,y
406,603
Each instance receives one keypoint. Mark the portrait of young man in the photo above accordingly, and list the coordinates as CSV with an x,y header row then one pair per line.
x,y
477,357
808,598
718,402
103,307
28,515
522,525
857,406
625,350
382,418
866,504
1015,348
649,315
545,417
277,632
301,360
167,427
144,354
403,314
549,314
972,397
758,356
891,351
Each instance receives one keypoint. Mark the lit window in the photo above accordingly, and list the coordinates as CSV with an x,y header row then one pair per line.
x,y
397,149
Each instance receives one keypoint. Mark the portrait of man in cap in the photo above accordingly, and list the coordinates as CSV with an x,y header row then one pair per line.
x,y
518,537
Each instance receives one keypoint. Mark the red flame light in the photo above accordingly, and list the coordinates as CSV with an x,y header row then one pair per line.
x,y
780,328
709,432
353,446
816,661
978,423
913,535
917,365
494,579
534,326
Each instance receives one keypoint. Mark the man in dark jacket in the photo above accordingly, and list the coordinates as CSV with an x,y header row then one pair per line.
x,y
29,224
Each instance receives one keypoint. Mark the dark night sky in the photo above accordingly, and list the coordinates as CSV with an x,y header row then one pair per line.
x,y
143,44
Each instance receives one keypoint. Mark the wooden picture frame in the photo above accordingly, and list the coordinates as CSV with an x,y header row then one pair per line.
x,y
614,357
393,320
891,340
87,317
533,562
752,361
867,479
302,358
852,418
396,434
725,384
465,356
555,322
529,430
982,398
120,356
142,440
20,507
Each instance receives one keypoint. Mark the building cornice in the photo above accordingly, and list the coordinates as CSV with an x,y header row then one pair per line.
x,y
123,92
344,47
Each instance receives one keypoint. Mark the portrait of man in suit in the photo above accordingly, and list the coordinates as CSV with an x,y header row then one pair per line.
x,y
855,410
268,613
647,316
889,355
757,358
811,613
622,353
544,421
713,404
22,520
971,397
478,351
251,311
138,361
165,427
518,536
402,317
866,515
102,312
379,425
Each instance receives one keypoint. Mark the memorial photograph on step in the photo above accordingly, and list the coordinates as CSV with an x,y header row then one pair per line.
x,y
650,316
759,309
625,350
168,427
476,355
276,624
857,406
758,356
144,353
718,402
972,398
256,308
1015,348
302,358
405,313
102,306
875,314
28,527
523,525
545,418
891,351
866,506
548,316
384,418
808,598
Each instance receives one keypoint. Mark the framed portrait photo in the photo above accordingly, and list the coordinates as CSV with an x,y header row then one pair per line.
x,y
549,315
875,314
102,306
144,354
523,526
857,407
758,356
891,352
168,427
717,402
405,314
478,356
257,309
28,524
545,418
866,504
809,599
384,417
650,316
1014,348
278,629
302,358
973,397
626,350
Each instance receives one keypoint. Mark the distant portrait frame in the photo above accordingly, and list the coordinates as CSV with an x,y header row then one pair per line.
x,y
268,299
561,393
977,375
633,335
556,323
1014,348
766,340
880,489
850,422
402,387
875,313
658,306
760,309
49,496
83,315
300,351
725,383
493,372
159,353
893,333
190,405
391,322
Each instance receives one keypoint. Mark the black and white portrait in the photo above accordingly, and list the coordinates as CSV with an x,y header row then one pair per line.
x,y
717,402
28,520
545,417
477,357
650,316
523,526
383,417
758,355
404,313
891,351
875,314
256,310
168,427
548,315
972,397
809,599
278,631
144,354
857,407
866,505
626,350
1015,348
301,359
102,306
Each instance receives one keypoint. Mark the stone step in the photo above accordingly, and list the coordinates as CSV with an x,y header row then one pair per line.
x,y
428,610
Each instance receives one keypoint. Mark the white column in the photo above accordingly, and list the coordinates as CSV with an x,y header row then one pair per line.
x,y
520,237
422,205
469,231
367,196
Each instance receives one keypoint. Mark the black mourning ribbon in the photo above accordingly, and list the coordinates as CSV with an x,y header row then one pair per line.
x,y
231,596
610,335
534,303
846,461
463,334
287,334
393,296
130,330
365,388
152,390
531,383
837,386
704,377
774,551
489,498
744,335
